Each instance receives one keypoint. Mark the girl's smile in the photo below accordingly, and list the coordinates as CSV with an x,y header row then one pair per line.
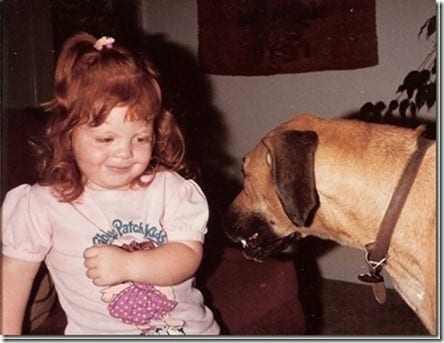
x,y
113,154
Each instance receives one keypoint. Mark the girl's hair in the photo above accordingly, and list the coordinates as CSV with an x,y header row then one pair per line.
x,y
88,83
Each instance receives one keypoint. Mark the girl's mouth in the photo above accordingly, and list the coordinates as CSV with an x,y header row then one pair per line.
x,y
119,169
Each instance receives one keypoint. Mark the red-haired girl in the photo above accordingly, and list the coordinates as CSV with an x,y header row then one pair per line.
x,y
113,172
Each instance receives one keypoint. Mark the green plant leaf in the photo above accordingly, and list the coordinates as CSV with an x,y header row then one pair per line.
x,y
420,98
380,106
393,105
430,94
367,108
430,26
424,76
419,86
401,89
413,110
403,107
412,80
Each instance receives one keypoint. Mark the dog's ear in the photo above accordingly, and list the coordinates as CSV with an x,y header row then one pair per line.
x,y
291,159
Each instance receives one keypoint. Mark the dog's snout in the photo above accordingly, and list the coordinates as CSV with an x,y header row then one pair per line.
x,y
240,227
252,232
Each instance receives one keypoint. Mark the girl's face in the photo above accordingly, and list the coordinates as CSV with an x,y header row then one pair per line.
x,y
113,154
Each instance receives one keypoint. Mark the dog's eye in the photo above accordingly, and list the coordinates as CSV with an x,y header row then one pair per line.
x,y
242,166
269,159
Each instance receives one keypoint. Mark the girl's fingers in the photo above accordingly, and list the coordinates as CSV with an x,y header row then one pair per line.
x,y
89,263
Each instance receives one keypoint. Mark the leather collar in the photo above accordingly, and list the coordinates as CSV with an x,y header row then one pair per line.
x,y
376,255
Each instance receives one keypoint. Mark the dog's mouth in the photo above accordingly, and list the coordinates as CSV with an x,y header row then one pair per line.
x,y
256,237
254,251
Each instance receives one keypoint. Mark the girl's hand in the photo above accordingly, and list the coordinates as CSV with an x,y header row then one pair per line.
x,y
105,264
166,265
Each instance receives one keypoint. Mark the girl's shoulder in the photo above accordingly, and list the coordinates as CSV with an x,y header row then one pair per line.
x,y
173,184
26,192
168,175
171,179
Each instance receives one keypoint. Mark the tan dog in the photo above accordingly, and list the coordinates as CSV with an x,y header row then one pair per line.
x,y
334,179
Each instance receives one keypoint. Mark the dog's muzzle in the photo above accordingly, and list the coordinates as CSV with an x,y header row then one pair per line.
x,y
255,235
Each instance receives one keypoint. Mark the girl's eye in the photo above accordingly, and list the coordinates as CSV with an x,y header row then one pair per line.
x,y
104,139
143,139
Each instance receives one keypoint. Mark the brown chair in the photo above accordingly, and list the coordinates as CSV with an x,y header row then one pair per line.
x,y
256,298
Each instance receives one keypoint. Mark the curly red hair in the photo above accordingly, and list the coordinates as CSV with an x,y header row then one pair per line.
x,y
88,83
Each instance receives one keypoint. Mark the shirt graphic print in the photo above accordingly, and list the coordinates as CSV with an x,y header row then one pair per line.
x,y
143,305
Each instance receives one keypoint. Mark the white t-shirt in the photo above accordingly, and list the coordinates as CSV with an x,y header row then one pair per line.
x,y
38,227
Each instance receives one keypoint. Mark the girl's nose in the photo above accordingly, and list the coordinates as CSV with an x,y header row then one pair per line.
x,y
125,150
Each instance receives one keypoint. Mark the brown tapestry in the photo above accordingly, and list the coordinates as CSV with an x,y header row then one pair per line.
x,y
263,37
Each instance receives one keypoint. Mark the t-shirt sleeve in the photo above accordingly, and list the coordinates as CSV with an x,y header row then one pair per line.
x,y
26,233
186,213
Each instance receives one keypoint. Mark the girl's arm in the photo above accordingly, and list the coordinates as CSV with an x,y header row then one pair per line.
x,y
166,265
17,279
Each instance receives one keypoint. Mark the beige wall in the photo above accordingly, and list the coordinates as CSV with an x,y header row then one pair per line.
x,y
253,105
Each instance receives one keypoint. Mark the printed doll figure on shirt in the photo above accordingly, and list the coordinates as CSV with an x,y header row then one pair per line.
x,y
142,304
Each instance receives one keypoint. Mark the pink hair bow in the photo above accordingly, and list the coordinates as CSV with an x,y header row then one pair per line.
x,y
104,42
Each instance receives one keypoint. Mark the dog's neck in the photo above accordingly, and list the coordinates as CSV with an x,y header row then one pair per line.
x,y
355,193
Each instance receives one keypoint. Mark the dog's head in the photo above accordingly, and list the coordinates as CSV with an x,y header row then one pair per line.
x,y
279,193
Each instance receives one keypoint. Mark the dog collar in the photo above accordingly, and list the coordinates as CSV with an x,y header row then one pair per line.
x,y
376,255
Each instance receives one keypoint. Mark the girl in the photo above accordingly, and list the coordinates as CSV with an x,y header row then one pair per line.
x,y
113,175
